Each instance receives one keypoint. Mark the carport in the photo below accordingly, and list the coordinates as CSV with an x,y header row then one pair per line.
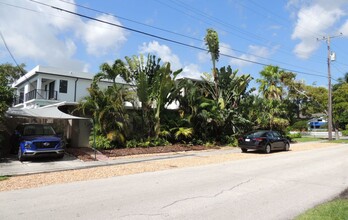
x,y
76,129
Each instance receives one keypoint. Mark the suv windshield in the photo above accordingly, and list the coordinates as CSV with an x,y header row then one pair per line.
x,y
38,129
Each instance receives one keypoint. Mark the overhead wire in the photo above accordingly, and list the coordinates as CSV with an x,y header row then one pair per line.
x,y
178,34
15,61
166,39
225,24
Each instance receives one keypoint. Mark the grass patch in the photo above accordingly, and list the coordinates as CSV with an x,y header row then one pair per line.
x,y
340,141
336,209
306,139
3,178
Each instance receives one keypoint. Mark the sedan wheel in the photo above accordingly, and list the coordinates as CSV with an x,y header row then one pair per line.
x,y
268,149
287,147
244,150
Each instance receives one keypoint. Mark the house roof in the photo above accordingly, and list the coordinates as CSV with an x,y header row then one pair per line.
x,y
59,72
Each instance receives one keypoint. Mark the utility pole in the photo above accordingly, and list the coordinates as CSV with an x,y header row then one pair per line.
x,y
329,111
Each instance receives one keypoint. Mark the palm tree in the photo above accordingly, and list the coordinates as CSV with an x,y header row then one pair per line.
x,y
118,68
212,42
271,84
107,106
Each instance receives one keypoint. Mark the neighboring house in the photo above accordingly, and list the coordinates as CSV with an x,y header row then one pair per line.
x,y
317,123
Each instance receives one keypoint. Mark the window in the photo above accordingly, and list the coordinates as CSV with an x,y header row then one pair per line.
x,y
63,86
276,134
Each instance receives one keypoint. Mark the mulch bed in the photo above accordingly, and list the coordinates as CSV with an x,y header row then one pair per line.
x,y
151,150
83,153
87,154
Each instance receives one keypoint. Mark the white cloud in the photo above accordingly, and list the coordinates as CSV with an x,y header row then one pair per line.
x,y
191,71
101,38
254,54
34,36
161,51
313,20
344,29
203,57
46,36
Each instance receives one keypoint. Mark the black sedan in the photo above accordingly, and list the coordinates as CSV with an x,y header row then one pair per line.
x,y
266,141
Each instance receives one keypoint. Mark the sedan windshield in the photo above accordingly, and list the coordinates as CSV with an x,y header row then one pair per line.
x,y
38,130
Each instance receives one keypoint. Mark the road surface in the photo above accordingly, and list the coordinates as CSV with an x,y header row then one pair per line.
x,y
280,186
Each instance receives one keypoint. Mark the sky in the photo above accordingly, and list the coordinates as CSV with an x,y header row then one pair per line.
x,y
80,35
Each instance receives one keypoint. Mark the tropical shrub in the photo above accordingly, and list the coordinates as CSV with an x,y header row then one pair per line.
x,y
345,132
300,125
295,135
101,142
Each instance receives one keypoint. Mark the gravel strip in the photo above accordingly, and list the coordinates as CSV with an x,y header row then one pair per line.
x,y
38,180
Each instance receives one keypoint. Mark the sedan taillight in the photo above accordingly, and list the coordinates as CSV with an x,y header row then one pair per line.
x,y
258,139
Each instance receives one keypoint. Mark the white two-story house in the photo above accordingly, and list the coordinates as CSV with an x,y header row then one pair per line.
x,y
44,86
43,91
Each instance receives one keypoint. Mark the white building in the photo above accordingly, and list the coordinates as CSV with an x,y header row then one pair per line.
x,y
43,90
44,86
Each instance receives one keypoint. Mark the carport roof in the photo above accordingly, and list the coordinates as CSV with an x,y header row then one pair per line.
x,y
51,112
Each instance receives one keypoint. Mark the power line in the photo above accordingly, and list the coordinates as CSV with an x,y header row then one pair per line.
x,y
223,23
161,29
9,51
188,7
163,38
166,39
15,61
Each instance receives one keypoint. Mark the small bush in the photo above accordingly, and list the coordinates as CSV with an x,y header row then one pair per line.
x,y
300,125
296,135
150,142
101,142
345,133
197,141
230,140
131,143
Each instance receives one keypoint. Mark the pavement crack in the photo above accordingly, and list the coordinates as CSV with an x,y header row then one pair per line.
x,y
142,215
208,197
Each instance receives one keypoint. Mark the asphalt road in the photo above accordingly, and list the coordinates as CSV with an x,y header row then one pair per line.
x,y
277,187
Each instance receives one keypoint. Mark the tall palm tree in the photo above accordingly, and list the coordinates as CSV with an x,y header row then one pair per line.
x,y
212,42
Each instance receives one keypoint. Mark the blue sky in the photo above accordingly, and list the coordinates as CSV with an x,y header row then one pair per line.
x,y
282,33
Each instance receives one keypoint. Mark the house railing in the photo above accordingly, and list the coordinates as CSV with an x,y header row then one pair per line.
x,y
41,94
18,99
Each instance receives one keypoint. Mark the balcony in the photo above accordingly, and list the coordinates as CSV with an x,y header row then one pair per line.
x,y
41,94
18,99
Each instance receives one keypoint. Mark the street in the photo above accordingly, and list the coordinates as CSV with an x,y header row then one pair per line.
x,y
280,186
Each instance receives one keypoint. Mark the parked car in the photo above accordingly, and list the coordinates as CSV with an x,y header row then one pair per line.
x,y
265,140
37,140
